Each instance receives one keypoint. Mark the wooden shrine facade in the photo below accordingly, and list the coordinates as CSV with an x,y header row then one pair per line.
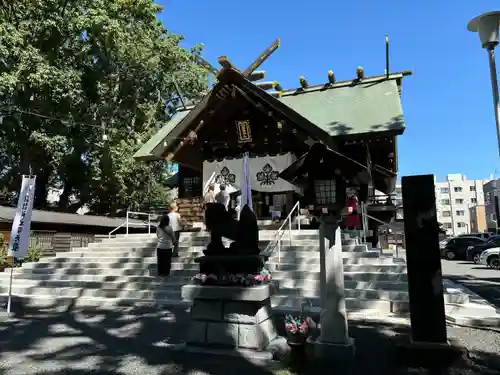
x,y
359,118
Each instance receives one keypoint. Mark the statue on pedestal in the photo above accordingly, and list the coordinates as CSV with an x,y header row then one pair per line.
x,y
242,256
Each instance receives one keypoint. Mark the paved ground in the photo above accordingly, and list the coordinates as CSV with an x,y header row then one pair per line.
x,y
131,341
480,279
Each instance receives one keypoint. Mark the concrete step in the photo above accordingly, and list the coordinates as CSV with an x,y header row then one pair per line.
x,y
164,294
370,294
101,278
107,264
470,310
352,304
299,264
315,267
139,269
348,284
287,259
286,256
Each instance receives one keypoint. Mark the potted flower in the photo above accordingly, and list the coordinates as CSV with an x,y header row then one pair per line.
x,y
297,329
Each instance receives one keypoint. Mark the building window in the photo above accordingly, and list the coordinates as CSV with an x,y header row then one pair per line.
x,y
461,225
447,225
445,202
473,200
325,191
444,190
446,213
457,189
459,201
472,188
460,213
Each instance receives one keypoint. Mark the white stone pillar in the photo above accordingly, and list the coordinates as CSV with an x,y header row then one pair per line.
x,y
334,342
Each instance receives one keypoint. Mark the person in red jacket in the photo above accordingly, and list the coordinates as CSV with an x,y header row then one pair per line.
x,y
353,220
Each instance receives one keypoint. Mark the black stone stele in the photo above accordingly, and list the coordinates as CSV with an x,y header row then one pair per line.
x,y
242,256
425,283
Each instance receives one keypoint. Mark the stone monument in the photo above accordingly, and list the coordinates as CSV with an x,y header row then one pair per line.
x,y
231,311
333,342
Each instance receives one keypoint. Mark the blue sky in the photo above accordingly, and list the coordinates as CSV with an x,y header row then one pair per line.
x,y
447,102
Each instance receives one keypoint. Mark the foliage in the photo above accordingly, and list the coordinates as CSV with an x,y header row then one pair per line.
x,y
34,253
74,71
3,251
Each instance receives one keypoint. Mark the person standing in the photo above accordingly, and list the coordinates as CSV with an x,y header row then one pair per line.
x,y
176,223
238,207
223,197
210,195
164,248
353,220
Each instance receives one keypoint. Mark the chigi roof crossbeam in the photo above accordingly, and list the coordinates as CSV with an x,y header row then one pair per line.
x,y
251,73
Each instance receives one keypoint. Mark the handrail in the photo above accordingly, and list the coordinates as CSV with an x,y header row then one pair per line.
x,y
118,227
383,223
127,221
281,231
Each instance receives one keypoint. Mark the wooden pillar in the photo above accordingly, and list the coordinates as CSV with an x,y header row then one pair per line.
x,y
425,284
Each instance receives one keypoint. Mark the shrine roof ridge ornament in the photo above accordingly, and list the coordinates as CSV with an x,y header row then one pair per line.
x,y
333,109
398,76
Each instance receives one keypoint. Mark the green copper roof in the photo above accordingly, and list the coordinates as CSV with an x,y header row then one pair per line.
x,y
342,109
147,150
364,108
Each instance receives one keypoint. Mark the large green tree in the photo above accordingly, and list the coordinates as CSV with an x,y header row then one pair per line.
x,y
82,83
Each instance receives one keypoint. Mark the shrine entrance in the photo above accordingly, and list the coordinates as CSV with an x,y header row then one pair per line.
x,y
242,114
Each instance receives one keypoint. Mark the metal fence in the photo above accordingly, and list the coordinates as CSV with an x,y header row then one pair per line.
x,y
52,242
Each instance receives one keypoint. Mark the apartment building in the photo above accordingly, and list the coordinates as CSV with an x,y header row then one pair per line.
x,y
491,204
460,204
454,199
478,219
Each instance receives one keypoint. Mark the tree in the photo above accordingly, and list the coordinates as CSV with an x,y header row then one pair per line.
x,y
81,83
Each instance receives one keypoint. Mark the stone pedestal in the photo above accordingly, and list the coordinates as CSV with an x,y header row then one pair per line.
x,y
227,317
334,342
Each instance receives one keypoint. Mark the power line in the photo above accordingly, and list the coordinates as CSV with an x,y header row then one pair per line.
x,y
64,121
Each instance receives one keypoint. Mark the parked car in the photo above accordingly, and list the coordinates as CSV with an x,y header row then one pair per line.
x,y
491,258
456,247
484,236
474,253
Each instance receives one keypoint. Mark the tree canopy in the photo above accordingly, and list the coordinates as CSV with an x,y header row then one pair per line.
x,y
82,83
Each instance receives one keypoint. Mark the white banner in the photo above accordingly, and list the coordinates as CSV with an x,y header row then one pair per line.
x,y
263,173
19,236
246,190
226,172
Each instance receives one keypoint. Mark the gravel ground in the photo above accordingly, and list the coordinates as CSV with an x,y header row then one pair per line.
x,y
131,341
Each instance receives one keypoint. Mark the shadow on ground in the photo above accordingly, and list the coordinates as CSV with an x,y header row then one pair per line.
x,y
133,340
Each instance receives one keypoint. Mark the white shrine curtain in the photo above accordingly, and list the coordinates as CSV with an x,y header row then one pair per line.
x,y
264,172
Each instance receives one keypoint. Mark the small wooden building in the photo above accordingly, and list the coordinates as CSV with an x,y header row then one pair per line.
x,y
359,118
57,222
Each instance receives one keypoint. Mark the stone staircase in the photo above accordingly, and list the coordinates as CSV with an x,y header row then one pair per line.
x,y
122,271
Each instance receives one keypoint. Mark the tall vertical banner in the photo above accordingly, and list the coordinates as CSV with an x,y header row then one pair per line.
x,y
246,187
19,236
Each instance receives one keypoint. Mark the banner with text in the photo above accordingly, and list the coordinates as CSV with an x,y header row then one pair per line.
x,y
19,236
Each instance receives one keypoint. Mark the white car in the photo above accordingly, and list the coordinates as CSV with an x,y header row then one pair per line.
x,y
491,258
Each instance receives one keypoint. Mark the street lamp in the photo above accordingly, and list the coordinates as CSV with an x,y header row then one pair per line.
x,y
487,26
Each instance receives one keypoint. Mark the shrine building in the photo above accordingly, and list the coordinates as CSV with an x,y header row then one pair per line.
x,y
360,118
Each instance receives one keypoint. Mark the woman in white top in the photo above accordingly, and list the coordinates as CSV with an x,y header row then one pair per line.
x,y
176,224
164,248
